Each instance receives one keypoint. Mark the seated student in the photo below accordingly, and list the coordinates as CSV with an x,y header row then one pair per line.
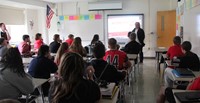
x,y
38,42
95,39
62,49
116,57
133,47
70,39
13,79
168,94
42,66
89,48
3,47
77,47
70,86
189,60
55,44
25,46
110,74
175,50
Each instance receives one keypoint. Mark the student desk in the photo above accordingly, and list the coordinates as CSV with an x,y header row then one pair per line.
x,y
113,100
185,78
170,64
38,85
27,60
176,91
158,52
52,54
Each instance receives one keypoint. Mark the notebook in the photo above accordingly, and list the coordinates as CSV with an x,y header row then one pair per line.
x,y
188,97
183,72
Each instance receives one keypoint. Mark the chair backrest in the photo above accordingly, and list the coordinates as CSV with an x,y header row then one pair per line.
x,y
132,56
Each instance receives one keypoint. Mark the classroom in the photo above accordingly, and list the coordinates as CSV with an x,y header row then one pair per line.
x,y
99,51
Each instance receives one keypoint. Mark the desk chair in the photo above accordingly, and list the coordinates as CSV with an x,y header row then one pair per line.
x,y
133,58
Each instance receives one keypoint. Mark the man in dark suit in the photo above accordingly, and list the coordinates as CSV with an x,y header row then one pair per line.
x,y
140,36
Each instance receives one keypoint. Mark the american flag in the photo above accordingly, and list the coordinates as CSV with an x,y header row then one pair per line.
x,y
49,16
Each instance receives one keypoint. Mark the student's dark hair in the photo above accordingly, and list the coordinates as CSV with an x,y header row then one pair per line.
x,y
37,36
177,40
112,42
25,37
187,46
1,40
70,36
117,46
1,24
99,50
70,71
13,61
55,37
95,39
129,33
43,50
132,36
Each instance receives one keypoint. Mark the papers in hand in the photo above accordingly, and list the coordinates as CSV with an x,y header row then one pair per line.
x,y
110,91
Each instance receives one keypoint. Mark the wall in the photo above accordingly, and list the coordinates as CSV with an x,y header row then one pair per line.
x,y
38,16
191,28
148,7
11,16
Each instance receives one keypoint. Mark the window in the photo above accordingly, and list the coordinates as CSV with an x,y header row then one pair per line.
x,y
16,32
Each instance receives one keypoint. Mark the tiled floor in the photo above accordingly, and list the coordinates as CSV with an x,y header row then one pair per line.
x,y
147,86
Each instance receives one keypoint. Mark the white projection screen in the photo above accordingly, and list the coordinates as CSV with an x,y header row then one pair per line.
x,y
120,25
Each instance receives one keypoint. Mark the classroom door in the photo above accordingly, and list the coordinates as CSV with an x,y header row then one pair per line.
x,y
166,28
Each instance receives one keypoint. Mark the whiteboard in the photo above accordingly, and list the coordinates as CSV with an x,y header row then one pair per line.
x,y
191,28
83,28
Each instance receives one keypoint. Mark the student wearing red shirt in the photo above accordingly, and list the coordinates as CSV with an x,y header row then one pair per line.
x,y
175,50
116,57
25,46
70,39
167,93
38,42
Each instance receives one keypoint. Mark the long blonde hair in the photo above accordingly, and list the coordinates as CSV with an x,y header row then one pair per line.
x,y
70,71
77,47
62,49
